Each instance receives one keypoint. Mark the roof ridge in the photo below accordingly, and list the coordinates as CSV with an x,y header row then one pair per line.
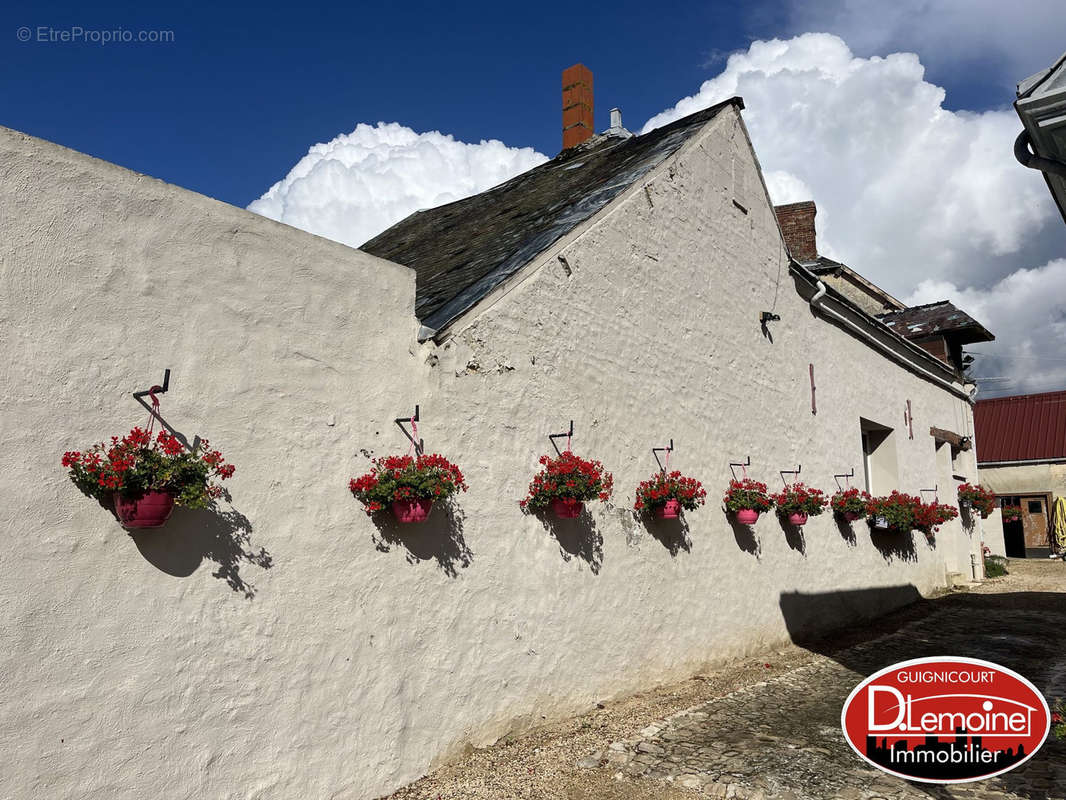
x,y
462,250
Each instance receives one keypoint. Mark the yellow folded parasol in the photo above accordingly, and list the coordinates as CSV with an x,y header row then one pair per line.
x,y
1058,522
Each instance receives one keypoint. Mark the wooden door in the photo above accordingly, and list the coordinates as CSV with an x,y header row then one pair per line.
x,y
1035,524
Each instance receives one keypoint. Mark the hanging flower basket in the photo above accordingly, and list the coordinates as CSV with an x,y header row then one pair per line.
x,y
566,483
567,508
1011,513
150,510
671,509
407,484
412,510
798,501
665,494
145,476
850,504
977,497
928,517
894,512
747,499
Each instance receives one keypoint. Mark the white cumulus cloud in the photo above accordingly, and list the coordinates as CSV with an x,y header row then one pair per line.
x,y
906,185
1009,39
920,199
1027,313
360,183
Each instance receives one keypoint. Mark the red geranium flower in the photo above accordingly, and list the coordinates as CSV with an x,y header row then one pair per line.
x,y
568,477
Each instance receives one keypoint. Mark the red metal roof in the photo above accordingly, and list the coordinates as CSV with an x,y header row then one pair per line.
x,y
1027,427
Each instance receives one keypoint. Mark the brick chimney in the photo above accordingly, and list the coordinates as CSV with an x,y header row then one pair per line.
x,y
577,105
797,226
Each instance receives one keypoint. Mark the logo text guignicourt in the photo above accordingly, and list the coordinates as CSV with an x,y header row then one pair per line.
x,y
945,720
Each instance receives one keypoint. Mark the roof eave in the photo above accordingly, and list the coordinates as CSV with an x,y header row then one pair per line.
x,y
914,351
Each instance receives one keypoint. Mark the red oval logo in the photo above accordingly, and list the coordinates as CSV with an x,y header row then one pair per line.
x,y
945,720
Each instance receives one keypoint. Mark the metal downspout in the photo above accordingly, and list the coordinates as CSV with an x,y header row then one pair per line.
x,y
1027,159
816,302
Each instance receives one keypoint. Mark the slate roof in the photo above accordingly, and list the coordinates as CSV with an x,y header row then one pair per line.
x,y
462,250
1027,427
918,322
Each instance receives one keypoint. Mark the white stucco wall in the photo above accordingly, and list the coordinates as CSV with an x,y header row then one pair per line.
x,y
367,654
118,678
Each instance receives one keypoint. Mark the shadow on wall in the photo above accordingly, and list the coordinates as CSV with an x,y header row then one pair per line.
x,y
193,535
808,616
894,545
673,534
847,530
439,538
793,535
745,536
577,538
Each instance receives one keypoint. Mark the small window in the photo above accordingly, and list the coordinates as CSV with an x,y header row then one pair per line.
x,y
879,457
1036,507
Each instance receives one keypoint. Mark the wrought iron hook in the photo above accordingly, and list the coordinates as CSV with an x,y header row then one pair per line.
x,y
569,435
656,450
419,447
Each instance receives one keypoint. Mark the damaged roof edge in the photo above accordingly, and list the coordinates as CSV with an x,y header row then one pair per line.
x,y
915,352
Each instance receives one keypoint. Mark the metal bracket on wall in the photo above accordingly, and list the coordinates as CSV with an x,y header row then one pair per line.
x,y
847,476
569,435
742,464
153,391
796,471
814,402
153,409
418,444
655,452
933,490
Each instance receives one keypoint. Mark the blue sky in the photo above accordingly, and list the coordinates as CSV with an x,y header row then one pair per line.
x,y
242,91
894,117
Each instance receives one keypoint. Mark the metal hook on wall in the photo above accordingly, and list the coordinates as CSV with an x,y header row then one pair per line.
x,y
668,450
846,476
154,390
569,435
742,464
153,409
784,472
936,495
418,444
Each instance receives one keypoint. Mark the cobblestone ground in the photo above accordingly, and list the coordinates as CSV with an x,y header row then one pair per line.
x,y
781,738
772,730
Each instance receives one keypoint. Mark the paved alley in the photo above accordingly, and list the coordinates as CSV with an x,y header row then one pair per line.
x,y
772,729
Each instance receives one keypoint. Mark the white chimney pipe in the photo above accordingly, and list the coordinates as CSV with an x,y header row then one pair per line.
x,y
616,118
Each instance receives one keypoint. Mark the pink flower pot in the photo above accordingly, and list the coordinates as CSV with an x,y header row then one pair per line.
x,y
412,510
851,516
747,516
150,510
668,510
566,508
797,519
